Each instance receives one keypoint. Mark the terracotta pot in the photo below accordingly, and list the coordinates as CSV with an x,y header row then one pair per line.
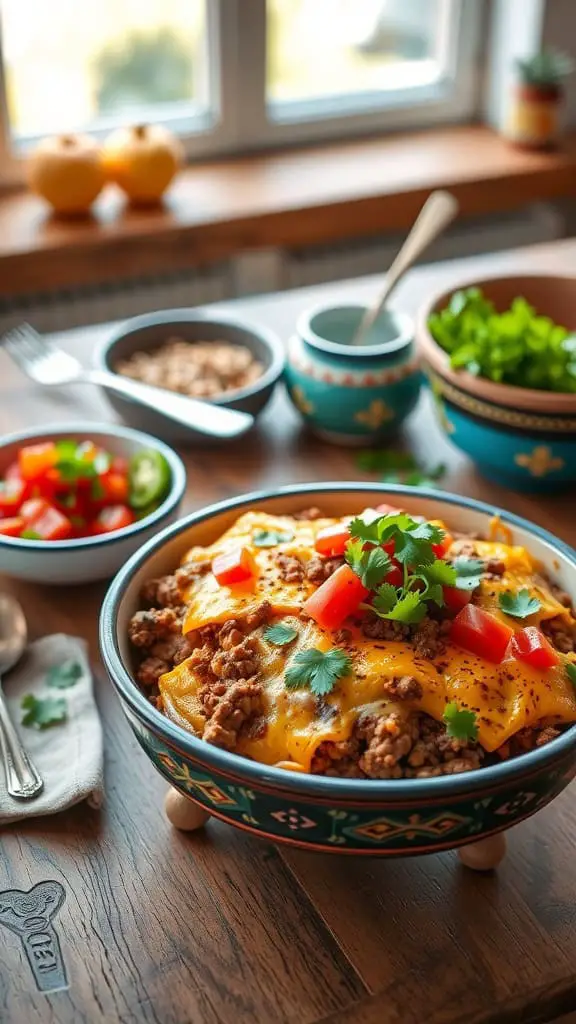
x,y
534,116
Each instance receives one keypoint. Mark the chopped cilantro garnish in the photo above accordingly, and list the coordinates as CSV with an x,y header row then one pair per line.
x,y
468,571
519,605
270,538
423,574
279,635
40,713
460,722
30,535
371,566
319,670
399,467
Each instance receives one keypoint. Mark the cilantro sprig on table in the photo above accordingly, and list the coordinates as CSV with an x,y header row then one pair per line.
x,y
516,346
424,575
519,605
43,712
318,670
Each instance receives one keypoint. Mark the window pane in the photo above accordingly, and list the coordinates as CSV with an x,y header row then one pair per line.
x,y
323,48
71,64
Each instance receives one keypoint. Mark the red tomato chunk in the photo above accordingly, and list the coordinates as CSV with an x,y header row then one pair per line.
x,y
337,598
112,518
456,599
333,540
49,524
12,527
481,633
530,645
236,566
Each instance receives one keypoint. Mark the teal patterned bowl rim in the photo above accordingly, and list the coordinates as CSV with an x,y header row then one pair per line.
x,y
389,348
305,785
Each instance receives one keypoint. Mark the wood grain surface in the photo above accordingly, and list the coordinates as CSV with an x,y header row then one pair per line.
x,y
167,928
287,199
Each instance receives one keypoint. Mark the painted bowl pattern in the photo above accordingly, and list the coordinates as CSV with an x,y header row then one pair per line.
x,y
518,437
386,818
351,395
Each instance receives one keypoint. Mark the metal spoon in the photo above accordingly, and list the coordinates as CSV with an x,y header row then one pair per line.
x,y
439,209
22,779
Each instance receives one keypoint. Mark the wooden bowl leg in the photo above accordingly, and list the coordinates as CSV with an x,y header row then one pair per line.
x,y
183,813
484,854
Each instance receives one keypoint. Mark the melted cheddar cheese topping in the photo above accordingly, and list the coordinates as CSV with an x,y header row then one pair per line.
x,y
505,697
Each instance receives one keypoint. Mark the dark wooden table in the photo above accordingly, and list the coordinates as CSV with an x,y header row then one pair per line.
x,y
167,928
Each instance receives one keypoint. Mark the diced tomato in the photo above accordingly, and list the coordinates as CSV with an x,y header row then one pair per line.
x,y
32,508
333,540
35,459
119,465
48,522
336,599
444,546
13,472
456,599
12,527
531,646
112,518
12,494
236,566
114,487
387,510
396,574
480,633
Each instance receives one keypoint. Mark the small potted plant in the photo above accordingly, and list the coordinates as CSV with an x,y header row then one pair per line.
x,y
534,114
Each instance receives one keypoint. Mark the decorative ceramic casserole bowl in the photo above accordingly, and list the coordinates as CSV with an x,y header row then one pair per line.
x,y
520,437
394,816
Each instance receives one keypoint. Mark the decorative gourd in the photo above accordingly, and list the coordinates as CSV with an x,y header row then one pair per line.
x,y
66,170
142,160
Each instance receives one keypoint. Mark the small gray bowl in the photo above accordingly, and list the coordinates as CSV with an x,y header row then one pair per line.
x,y
149,331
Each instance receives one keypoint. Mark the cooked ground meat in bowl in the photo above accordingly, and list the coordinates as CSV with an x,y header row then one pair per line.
x,y
319,667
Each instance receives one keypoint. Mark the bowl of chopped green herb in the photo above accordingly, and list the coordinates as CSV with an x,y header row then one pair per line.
x,y
500,355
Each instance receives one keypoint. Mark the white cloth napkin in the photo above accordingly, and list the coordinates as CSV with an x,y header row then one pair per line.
x,y
68,754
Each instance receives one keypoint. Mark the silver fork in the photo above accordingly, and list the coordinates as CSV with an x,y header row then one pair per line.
x,y
47,364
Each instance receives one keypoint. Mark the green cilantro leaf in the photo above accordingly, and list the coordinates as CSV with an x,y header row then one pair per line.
x,y
365,530
469,572
385,460
414,551
371,566
460,722
97,490
519,605
571,672
42,713
270,538
66,450
440,572
384,600
410,608
61,677
72,470
319,670
30,535
279,635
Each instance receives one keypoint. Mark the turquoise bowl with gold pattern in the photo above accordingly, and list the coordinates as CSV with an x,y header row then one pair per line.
x,y
353,395
519,437
385,818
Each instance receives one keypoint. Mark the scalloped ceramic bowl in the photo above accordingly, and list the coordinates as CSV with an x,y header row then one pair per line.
x,y
519,437
86,560
387,818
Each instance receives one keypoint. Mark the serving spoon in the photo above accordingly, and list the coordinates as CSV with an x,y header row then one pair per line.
x,y
438,211
22,779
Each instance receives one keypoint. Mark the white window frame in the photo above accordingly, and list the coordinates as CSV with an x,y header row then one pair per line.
x,y
239,120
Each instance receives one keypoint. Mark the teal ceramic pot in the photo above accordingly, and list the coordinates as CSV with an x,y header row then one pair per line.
x,y
352,395
384,818
519,437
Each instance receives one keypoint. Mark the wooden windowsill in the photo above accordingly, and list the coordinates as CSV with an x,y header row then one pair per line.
x,y
292,199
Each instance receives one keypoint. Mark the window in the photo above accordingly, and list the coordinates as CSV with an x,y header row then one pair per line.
x,y
232,75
